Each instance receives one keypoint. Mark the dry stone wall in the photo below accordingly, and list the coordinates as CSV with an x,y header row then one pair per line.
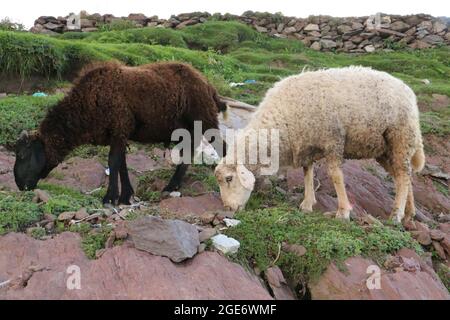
x,y
322,33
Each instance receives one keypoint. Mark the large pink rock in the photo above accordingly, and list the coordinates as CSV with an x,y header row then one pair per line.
x,y
6,170
184,206
81,174
370,189
120,273
420,284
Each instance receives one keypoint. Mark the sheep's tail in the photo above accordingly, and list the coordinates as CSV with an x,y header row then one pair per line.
x,y
418,159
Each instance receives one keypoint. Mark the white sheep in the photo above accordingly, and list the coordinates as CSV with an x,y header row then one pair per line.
x,y
335,114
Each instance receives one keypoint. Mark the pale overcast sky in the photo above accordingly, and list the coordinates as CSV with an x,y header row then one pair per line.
x,y
26,11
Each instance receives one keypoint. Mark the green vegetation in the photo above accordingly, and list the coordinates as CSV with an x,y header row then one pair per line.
x,y
17,211
262,232
22,113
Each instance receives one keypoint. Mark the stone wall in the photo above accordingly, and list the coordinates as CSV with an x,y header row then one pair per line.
x,y
325,33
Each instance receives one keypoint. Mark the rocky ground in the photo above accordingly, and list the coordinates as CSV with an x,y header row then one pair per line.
x,y
178,247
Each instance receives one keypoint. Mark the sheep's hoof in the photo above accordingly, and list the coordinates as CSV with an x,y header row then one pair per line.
x,y
343,214
396,216
306,207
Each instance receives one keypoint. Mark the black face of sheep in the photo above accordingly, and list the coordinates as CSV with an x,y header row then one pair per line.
x,y
30,162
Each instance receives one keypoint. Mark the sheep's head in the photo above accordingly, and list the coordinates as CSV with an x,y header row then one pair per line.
x,y
30,161
236,184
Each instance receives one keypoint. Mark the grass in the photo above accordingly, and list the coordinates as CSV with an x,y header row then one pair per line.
x,y
262,231
18,211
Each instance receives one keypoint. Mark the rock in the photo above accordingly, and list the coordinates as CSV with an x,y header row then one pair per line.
x,y
352,284
425,25
141,162
231,222
49,217
110,241
41,196
174,239
437,235
369,48
121,231
120,273
81,174
296,249
433,39
225,244
312,27
81,214
439,26
66,216
418,44
422,237
439,250
260,29
201,247
399,26
196,206
342,29
278,284
206,234
327,44
289,30
316,46
186,23
446,244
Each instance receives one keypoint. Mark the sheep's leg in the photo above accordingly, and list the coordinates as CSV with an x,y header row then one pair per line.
x,y
310,198
175,181
410,209
126,190
114,163
337,177
177,177
402,189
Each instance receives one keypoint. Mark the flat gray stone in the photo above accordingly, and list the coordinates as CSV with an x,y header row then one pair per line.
x,y
175,239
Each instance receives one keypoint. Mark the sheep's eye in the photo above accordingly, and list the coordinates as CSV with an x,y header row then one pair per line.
x,y
228,178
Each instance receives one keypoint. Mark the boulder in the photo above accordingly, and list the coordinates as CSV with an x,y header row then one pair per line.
x,y
192,206
77,173
433,39
327,44
399,26
352,284
312,27
278,284
121,272
175,239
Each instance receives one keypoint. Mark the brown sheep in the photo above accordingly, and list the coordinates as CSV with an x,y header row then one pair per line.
x,y
111,104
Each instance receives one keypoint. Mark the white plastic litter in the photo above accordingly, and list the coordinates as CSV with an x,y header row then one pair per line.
x,y
231,222
107,172
225,244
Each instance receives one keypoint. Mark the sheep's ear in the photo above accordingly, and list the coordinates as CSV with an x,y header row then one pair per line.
x,y
246,178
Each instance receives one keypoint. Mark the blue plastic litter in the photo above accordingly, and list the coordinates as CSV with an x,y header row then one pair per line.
x,y
250,81
39,94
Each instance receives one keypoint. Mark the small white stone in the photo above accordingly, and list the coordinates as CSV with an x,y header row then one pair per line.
x,y
231,222
175,194
426,81
225,244
107,171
